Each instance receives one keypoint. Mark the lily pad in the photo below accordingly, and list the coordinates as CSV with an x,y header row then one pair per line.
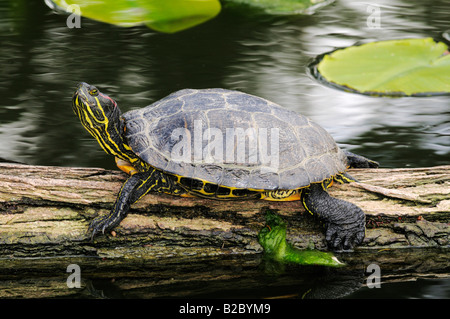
x,y
164,16
407,67
280,7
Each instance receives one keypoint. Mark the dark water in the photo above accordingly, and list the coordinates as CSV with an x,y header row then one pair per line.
x,y
42,60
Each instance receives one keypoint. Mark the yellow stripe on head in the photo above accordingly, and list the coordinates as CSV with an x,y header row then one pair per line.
x,y
100,116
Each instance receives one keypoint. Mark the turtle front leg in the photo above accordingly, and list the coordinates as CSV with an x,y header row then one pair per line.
x,y
135,187
344,221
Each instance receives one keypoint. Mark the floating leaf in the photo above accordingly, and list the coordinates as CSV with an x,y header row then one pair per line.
x,y
280,7
165,16
408,67
272,238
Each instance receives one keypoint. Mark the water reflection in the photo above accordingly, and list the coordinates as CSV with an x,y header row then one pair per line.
x,y
42,60
404,274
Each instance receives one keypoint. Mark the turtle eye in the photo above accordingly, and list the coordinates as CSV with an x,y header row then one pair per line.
x,y
93,92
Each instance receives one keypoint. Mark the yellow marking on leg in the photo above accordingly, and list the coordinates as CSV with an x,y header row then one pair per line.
x,y
341,178
338,179
346,178
306,207
149,188
187,195
274,196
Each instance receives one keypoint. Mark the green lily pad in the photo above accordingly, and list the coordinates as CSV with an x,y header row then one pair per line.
x,y
407,67
280,7
167,16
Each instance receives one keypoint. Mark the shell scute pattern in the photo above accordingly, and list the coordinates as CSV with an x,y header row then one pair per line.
x,y
293,177
202,101
265,180
166,108
307,153
240,177
209,172
286,116
237,100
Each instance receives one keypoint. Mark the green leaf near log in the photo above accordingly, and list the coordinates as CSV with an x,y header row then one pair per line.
x,y
164,16
408,67
273,240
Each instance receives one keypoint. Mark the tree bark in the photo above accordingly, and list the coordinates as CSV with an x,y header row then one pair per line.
x,y
45,211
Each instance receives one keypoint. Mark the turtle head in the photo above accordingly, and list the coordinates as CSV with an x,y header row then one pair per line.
x,y
100,116
95,109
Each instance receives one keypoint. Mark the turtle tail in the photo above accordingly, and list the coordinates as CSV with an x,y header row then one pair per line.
x,y
358,161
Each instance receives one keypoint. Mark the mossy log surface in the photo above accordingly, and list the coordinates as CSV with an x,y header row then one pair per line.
x,y
45,212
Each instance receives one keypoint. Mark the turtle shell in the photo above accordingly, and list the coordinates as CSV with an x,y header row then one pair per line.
x,y
232,139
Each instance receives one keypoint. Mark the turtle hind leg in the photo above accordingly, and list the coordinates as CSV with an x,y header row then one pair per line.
x,y
344,178
358,161
344,221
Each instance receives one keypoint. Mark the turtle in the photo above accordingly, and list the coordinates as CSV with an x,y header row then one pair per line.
x,y
226,145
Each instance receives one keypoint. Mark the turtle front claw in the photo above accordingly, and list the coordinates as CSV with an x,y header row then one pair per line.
x,y
102,223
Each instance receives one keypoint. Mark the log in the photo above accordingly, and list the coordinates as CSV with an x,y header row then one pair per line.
x,y
45,212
